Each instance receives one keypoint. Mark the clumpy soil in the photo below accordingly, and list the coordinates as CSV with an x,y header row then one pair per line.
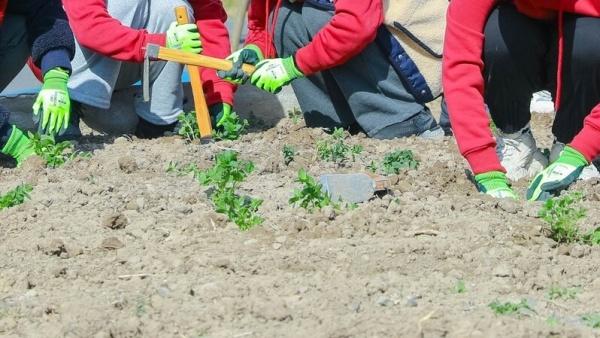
x,y
114,246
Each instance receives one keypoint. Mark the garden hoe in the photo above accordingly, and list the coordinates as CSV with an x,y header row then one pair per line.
x,y
193,61
353,188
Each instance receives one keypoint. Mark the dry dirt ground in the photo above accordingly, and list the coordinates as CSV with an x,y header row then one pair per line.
x,y
114,246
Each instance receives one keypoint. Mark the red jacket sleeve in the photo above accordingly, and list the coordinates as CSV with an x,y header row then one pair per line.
x,y
210,18
464,83
351,29
258,15
96,30
588,139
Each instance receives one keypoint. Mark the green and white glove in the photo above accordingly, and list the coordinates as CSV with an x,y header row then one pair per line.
x,y
558,175
495,184
250,54
271,75
184,37
52,108
220,112
18,146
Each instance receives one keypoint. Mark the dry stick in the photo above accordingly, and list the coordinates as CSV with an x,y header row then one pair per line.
x,y
202,114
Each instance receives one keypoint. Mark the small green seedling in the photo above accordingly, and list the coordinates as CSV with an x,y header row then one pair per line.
x,y
16,196
188,126
295,115
334,149
225,177
510,308
372,167
552,321
288,154
460,286
592,320
557,292
562,215
311,196
179,170
230,127
55,154
396,161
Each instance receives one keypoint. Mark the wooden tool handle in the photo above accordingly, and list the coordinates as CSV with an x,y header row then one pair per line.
x,y
202,113
199,60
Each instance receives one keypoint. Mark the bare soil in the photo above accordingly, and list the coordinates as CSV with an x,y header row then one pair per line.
x,y
114,246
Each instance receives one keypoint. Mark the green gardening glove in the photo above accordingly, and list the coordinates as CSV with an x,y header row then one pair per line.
x,y
558,175
52,108
250,54
219,113
271,75
184,37
18,146
495,184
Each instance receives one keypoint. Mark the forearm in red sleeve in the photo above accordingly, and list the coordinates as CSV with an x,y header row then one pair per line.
x,y
96,30
257,25
588,139
210,18
353,26
464,83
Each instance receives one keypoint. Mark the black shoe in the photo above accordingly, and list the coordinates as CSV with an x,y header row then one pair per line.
x,y
147,130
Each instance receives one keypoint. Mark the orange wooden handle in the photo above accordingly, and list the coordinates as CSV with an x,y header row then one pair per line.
x,y
202,113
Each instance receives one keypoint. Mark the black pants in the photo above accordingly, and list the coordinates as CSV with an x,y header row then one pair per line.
x,y
521,56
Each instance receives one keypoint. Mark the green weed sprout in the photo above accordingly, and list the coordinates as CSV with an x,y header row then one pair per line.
x,y
396,161
562,215
54,154
592,320
509,308
334,149
557,292
16,196
311,196
288,154
230,127
225,177
188,126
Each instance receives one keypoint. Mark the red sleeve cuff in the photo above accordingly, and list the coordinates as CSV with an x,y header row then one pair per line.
x,y
587,142
219,92
484,160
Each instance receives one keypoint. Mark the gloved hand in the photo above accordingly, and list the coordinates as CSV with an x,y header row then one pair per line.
x,y
53,105
495,184
271,75
250,54
184,37
18,146
558,175
220,112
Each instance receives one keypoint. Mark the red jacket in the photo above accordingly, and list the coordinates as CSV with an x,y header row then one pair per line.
x,y
464,83
3,4
352,28
96,30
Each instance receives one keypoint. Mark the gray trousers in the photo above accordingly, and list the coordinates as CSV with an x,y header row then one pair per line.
x,y
102,85
366,90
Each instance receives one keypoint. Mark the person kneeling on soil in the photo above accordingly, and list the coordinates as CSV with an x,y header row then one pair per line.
x,y
111,39
496,54
36,28
339,58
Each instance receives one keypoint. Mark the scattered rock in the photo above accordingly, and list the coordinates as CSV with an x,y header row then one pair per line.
x,y
115,221
384,301
277,246
412,301
128,164
223,263
56,247
577,251
503,271
508,205
112,243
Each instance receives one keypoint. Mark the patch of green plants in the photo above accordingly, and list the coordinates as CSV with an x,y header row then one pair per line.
x,y
55,154
288,154
510,308
334,148
460,286
399,160
562,215
592,320
188,126
224,178
182,170
557,292
295,115
16,196
311,196
230,127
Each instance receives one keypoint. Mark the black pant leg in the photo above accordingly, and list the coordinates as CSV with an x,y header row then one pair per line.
x,y
514,55
580,75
